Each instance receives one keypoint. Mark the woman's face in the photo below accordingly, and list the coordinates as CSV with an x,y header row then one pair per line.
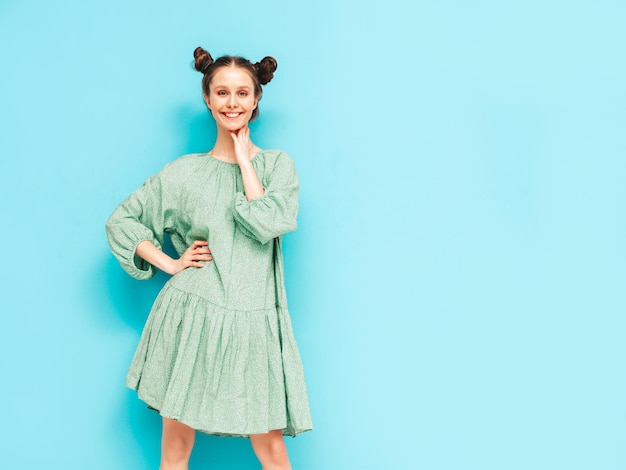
x,y
231,98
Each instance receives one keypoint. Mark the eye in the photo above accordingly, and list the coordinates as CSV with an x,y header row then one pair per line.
x,y
243,93
221,93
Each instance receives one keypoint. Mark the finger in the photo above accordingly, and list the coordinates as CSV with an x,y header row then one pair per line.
x,y
196,247
202,258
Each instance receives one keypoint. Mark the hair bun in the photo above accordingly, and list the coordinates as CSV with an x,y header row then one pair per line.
x,y
265,69
203,60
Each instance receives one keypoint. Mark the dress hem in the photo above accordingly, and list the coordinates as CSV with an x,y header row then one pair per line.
x,y
151,404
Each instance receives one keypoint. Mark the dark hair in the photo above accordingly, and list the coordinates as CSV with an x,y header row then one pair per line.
x,y
261,72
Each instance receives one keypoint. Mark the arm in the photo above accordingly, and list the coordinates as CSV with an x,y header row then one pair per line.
x,y
274,212
139,217
135,233
251,184
198,251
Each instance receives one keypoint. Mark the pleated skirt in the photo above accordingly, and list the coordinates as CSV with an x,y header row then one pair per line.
x,y
222,372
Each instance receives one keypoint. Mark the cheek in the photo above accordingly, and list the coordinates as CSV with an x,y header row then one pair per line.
x,y
250,105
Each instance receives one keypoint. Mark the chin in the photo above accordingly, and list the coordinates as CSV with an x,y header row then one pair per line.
x,y
234,126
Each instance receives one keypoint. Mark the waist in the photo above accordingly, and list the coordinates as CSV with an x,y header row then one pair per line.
x,y
225,290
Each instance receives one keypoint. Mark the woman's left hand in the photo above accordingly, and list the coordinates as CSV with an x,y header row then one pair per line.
x,y
251,185
241,140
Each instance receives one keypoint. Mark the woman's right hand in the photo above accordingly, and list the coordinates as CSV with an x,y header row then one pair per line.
x,y
192,257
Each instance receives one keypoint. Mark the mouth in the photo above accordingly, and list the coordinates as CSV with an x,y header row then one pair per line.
x,y
231,115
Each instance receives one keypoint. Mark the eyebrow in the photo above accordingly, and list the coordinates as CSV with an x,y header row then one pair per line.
x,y
239,87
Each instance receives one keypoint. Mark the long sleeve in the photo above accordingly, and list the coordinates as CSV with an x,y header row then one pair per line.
x,y
140,217
274,213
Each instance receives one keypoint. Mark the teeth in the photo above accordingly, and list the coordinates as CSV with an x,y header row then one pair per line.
x,y
231,115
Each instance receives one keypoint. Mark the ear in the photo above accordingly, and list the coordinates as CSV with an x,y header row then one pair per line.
x,y
206,100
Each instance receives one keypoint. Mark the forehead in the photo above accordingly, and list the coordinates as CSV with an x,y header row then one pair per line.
x,y
232,77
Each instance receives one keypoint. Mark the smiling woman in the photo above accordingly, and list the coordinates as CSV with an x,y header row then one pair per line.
x,y
218,353
259,74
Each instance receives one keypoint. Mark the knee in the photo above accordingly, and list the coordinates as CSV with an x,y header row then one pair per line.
x,y
176,450
275,453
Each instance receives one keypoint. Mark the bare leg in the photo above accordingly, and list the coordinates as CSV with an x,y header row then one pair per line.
x,y
176,445
271,451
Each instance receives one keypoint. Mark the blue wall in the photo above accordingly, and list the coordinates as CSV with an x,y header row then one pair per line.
x,y
457,284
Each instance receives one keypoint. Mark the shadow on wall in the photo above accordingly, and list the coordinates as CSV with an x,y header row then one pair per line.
x,y
196,129
130,299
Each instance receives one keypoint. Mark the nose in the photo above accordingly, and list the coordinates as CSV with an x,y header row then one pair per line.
x,y
232,101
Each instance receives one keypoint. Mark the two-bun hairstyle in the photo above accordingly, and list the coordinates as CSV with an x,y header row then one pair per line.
x,y
261,72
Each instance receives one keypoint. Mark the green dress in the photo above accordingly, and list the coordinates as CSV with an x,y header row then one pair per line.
x,y
217,352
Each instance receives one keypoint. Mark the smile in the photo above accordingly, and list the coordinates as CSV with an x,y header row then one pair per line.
x,y
232,115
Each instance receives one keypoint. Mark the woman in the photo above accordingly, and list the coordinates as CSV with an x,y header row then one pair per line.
x,y
217,353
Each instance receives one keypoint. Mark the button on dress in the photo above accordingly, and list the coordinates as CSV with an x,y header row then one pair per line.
x,y
217,352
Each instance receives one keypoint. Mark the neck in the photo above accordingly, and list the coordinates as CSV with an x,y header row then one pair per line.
x,y
224,147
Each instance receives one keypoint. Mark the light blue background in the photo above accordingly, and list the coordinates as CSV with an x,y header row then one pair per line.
x,y
457,284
